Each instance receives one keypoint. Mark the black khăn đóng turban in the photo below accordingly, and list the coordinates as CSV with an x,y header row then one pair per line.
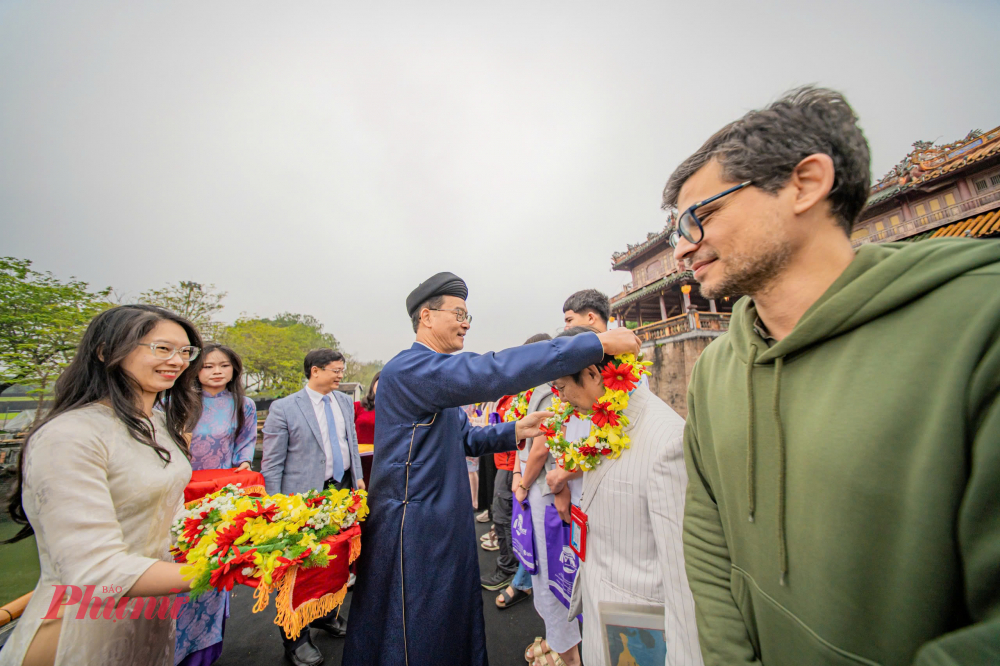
x,y
442,284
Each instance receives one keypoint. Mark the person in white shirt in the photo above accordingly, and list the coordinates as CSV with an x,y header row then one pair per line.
x,y
635,509
309,444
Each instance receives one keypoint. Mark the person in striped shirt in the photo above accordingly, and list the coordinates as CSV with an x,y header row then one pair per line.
x,y
635,510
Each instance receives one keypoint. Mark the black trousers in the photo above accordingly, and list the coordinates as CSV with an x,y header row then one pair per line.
x,y
345,482
487,472
503,509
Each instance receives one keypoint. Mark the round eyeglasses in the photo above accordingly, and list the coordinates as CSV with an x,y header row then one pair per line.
x,y
460,315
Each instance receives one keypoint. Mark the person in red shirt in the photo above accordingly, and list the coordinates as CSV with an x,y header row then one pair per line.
x,y
364,414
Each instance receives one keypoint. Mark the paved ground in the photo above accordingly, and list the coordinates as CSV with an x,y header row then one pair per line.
x,y
253,640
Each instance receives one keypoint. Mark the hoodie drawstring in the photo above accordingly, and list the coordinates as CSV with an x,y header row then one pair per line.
x,y
751,442
752,451
782,540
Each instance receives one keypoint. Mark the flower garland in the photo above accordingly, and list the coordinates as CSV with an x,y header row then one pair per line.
x,y
607,422
519,406
227,538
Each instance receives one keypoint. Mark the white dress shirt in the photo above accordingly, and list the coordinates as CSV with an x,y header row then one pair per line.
x,y
324,429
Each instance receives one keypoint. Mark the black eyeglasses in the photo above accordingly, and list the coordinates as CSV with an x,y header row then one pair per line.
x,y
689,226
460,315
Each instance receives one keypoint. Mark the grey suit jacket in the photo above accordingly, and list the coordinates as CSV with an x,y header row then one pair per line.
x,y
294,456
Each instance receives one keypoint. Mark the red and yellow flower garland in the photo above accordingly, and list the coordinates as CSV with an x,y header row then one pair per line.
x,y
227,538
518,406
607,422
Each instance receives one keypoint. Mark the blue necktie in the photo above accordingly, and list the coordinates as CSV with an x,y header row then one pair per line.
x,y
331,428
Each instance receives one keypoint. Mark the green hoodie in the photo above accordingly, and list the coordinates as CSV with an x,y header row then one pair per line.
x,y
843,504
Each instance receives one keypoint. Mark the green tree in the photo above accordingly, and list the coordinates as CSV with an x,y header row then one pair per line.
x,y
195,302
41,321
307,329
273,350
272,358
361,371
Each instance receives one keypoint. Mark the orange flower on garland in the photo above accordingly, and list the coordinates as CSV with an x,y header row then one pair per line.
x,y
231,572
619,378
603,415
284,564
193,527
224,537
258,511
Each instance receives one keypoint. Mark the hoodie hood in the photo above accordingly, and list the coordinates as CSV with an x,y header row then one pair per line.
x,y
882,278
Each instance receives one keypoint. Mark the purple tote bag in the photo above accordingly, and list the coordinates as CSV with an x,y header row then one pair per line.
x,y
561,559
523,537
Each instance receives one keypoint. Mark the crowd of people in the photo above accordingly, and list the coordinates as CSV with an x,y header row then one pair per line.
x,y
830,498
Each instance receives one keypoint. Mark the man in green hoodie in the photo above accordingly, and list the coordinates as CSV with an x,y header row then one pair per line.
x,y
843,439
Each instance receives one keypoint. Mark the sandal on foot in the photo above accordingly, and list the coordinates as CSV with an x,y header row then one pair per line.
x,y
536,655
511,599
552,658
534,650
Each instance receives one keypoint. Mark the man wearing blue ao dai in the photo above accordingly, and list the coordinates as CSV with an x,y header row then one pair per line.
x,y
418,600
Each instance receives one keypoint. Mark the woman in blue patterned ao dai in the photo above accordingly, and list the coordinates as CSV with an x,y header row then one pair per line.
x,y
224,437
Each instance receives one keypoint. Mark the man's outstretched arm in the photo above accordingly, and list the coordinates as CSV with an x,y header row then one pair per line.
x,y
502,437
463,379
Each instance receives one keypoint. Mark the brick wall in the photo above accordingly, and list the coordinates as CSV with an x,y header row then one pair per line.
x,y
671,369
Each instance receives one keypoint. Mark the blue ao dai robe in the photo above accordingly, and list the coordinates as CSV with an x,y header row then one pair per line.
x,y
418,599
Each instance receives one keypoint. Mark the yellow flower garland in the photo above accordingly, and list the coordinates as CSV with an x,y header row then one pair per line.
x,y
519,406
606,438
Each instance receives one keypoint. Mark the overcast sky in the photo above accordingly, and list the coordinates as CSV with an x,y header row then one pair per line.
x,y
325,157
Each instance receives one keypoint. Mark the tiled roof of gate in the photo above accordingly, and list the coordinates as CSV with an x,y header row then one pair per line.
x,y
957,158
617,259
652,288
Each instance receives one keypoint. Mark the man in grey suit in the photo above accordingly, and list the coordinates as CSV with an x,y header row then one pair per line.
x,y
310,444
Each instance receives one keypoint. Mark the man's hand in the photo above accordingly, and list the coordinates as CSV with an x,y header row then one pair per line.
x,y
557,479
619,341
243,466
562,501
528,427
361,484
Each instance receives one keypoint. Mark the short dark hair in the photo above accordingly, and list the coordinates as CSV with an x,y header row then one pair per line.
x,y
320,358
589,300
577,330
538,337
765,146
432,302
